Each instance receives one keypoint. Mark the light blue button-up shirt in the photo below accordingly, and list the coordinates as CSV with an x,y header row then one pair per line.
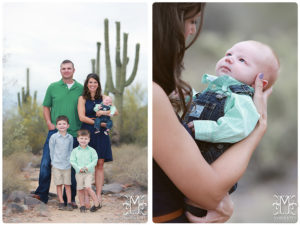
x,y
60,150
240,114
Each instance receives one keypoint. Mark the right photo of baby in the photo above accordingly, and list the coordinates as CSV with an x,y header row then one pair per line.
x,y
224,112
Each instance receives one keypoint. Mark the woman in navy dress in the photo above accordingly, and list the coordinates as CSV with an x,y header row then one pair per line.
x,y
99,141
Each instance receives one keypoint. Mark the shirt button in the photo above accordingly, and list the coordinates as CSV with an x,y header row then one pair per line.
x,y
219,96
220,146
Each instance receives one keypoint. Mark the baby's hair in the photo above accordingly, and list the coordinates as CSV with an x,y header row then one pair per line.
x,y
62,117
83,133
273,64
107,96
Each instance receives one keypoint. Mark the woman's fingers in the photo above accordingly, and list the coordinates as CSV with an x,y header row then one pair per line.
x,y
259,83
258,95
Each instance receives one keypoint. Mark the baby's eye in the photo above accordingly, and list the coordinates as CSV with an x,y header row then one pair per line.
x,y
242,60
228,54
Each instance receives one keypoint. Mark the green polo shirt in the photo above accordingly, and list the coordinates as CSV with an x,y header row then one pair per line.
x,y
63,101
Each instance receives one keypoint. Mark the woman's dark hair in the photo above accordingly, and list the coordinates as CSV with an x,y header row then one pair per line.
x,y
169,46
86,93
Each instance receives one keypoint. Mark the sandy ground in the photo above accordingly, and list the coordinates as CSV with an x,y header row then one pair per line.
x,y
115,210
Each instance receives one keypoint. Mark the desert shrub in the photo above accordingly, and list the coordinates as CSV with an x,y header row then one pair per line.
x,y
129,165
134,128
24,131
34,124
14,136
12,178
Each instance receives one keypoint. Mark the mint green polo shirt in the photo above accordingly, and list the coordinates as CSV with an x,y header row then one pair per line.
x,y
63,101
84,157
240,114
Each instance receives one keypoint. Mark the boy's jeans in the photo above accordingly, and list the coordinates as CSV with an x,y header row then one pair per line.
x,y
45,172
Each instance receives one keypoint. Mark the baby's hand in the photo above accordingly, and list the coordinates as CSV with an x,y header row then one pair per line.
x,y
100,107
85,169
191,126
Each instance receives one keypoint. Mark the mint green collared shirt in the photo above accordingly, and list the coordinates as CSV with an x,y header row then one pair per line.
x,y
112,109
240,114
63,101
84,157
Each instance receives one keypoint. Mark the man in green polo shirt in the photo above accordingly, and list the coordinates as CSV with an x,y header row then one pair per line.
x,y
60,99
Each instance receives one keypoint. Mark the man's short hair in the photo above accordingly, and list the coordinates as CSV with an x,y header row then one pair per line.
x,y
62,117
67,61
83,132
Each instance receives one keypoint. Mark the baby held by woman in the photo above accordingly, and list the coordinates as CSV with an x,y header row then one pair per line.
x,y
224,113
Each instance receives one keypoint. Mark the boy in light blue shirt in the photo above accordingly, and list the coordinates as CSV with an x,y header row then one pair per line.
x,y
224,113
61,145
84,159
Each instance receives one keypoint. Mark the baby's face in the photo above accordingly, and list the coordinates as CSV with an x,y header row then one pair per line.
x,y
243,62
107,101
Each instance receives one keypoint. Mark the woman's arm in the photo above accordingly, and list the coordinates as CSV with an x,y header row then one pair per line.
x,y
221,214
81,111
178,155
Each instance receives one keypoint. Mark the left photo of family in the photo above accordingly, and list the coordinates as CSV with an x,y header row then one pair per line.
x,y
75,112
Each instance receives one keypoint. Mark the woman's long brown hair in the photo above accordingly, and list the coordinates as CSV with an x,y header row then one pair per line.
x,y
86,93
169,46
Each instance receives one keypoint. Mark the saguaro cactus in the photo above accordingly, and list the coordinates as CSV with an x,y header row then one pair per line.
x,y
96,62
121,82
24,97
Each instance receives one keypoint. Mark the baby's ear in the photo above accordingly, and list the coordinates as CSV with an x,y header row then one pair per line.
x,y
265,83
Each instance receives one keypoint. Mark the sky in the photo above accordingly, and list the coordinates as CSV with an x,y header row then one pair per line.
x,y
39,36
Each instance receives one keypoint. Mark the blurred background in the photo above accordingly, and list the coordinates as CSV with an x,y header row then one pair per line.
x,y
273,167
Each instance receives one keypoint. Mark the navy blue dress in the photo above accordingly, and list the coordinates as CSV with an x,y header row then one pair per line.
x,y
100,142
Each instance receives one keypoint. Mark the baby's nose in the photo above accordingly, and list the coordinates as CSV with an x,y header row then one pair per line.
x,y
229,59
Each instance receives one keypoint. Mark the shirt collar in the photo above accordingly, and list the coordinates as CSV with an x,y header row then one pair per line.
x,y
60,135
61,82
87,148
220,81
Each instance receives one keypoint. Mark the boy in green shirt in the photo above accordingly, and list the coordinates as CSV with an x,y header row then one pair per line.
x,y
84,159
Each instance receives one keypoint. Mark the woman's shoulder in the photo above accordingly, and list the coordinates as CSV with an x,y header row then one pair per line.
x,y
158,91
160,97
82,100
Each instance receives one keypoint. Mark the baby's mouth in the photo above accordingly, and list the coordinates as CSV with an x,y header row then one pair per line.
x,y
224,69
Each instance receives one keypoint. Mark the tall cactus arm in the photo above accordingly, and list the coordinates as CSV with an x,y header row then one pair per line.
x,y
27,83
19,100
93,65
98,59
125,62
35,97
135,67
118,45
109,81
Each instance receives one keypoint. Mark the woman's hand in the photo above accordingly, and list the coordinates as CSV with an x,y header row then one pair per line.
x,y
260,100
220,215
101,113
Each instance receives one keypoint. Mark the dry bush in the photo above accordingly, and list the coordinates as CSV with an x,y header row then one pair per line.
x,y
12,178
12,167
129,165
